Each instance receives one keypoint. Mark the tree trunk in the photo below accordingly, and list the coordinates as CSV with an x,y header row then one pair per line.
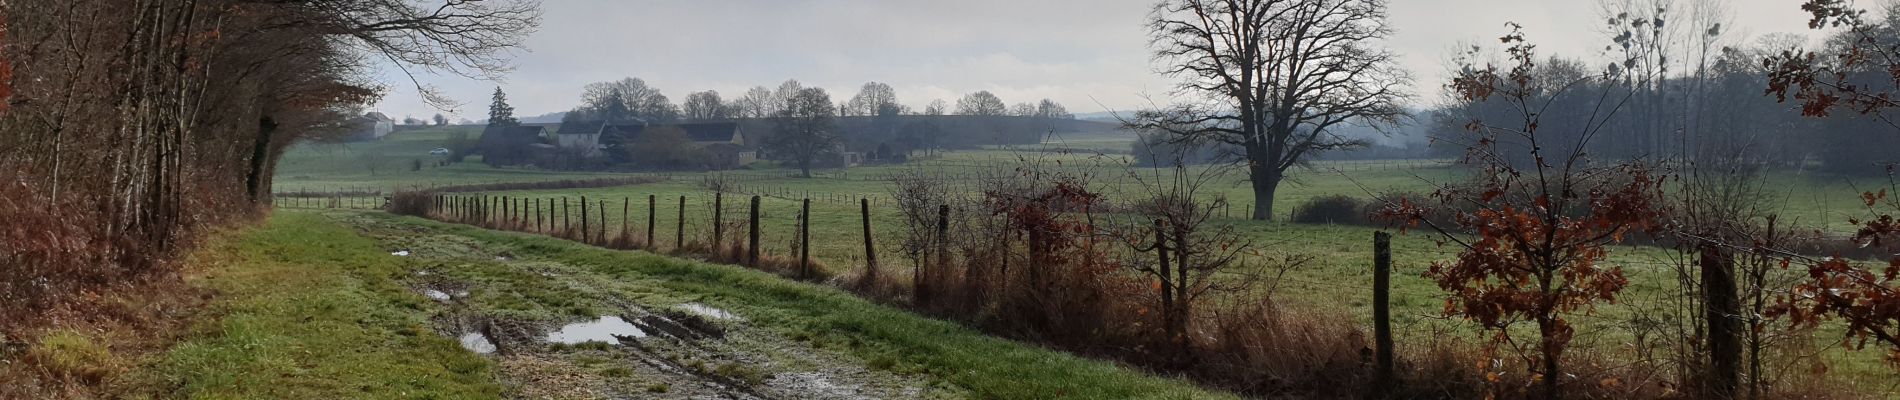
x,y
260,158
1169,325
1266,182
1552,352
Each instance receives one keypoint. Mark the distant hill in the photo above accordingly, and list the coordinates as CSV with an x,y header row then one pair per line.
x,y
549,118
543,119
1104,116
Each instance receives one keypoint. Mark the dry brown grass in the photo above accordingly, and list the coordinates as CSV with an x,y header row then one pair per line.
x,y
92,344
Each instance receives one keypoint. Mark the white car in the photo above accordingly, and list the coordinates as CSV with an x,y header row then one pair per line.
x,y
439,151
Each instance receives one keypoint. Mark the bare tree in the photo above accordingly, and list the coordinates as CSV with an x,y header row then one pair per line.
x,y
1023,110
755,104
936,107
1189,248
784,94
631,94
1279,75
873,99
468,38
704,105
981,103
1051,109
805,129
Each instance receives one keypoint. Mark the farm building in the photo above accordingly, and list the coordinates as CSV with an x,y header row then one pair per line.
x,y
724,142
371,126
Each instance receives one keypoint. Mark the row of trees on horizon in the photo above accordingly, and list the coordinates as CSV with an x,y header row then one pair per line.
x,y
631,98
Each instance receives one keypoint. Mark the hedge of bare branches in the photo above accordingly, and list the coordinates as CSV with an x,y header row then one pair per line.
x,y
126,126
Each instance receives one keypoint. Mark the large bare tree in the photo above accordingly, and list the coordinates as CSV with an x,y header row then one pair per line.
x,y
705,105
875,98
804,130
981,103
1275,78
755,104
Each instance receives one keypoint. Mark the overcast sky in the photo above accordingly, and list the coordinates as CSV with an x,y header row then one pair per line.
x,y
1090,55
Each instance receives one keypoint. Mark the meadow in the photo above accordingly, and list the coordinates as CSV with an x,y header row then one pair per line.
x,y
1336,277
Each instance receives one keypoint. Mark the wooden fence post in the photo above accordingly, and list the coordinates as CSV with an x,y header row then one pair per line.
x,y
870,250
601,228
626,211
679,233
567,222
584,218
718,225
537,216
1723,316
804,239
752,244
652,242
1382,309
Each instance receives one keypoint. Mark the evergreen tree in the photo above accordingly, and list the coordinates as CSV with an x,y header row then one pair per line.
x,y
500,113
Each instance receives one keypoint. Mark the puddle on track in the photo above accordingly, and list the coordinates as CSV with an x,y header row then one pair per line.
x,y
478,343
599,330
709,311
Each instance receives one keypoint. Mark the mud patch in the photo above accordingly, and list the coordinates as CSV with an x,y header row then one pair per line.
x,y
684,327
813,385
639,341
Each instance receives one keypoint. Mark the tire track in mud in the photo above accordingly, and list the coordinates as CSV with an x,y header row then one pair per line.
x,y
510,309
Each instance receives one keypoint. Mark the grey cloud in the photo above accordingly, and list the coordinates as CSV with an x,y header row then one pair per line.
x,y
1079,52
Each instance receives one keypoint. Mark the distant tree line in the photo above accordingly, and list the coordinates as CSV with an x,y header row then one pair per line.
x,y
633,98
790,123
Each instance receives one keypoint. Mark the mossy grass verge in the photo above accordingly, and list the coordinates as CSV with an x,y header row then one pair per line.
x,y
308,309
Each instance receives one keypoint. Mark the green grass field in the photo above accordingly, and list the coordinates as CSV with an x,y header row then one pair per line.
x,y
386,164
1337,277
